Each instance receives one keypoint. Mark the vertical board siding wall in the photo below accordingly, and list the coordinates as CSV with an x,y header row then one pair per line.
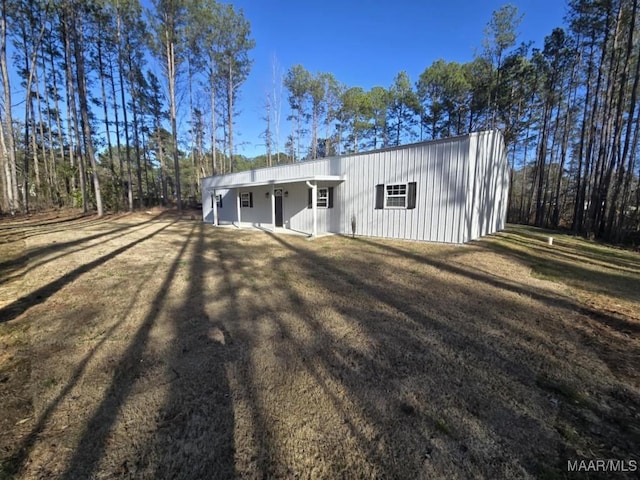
x,y
461,191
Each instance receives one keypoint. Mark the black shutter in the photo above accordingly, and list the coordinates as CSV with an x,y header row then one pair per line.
x,y
310,199
411,195
220,197
212,196
330,204
250,199
379,196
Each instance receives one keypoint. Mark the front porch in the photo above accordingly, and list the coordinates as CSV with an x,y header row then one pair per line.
x,y
289,206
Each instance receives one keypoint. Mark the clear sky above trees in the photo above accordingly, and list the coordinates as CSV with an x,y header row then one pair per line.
x,y
366,43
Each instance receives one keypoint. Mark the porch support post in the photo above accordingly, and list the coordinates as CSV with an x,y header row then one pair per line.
x,y
273,209
214,201
314,207
238,206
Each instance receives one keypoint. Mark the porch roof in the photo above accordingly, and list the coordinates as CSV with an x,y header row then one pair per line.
x,y
281,181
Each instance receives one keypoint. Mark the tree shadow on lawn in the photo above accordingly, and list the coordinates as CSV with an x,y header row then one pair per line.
x,y
22,304
15,463
618,323
441,381
9,224
569,255
195,426
620,360
8,266
590,250
287,361
624,285
193,432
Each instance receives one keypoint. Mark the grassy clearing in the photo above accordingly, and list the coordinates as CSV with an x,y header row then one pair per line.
x,y
154,346
604,278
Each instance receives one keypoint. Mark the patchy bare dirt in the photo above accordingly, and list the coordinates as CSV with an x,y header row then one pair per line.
x,y
154,346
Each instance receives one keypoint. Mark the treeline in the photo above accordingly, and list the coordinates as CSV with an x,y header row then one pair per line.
x,y
87,124
568,112
85,121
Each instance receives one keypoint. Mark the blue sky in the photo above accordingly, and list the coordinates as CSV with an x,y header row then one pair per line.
x,y
366,43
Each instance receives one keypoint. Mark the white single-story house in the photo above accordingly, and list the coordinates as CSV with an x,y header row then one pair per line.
x,y
452,190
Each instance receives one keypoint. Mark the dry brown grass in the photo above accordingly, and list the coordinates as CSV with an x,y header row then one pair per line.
x,y
158,347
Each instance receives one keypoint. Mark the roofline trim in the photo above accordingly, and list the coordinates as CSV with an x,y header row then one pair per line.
x,y
279,181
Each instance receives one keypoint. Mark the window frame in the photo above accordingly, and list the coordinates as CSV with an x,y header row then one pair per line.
x,y
324,199
219,200
404,196
329,197
245,196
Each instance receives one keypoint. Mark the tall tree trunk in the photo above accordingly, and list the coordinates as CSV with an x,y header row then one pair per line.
x,y
133,92
230,117
267,132
7,130
52,169
314,135
277,102
581,179
43,145
171,70
541,165
72,112
298,132
56,105
595,113
5,173
193,179
625,174
617,155
524,176
30,69
146,162
84,110
626,189
604,164
163,177
212,87
28,147
118,180
124,112
105,111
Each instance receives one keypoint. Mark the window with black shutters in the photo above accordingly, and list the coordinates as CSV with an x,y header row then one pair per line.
x,y
396,195
325,198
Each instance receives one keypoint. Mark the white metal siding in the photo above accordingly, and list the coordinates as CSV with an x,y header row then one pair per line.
x,y
461,191
488,185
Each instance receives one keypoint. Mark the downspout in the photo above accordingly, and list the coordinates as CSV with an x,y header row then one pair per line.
x,y
273,209
314,207
214,200
238,206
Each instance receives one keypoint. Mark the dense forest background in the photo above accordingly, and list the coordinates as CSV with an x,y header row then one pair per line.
x,y
105,80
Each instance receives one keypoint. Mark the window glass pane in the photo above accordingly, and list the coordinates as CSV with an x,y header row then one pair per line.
x,y
395,202
400,189
323,196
